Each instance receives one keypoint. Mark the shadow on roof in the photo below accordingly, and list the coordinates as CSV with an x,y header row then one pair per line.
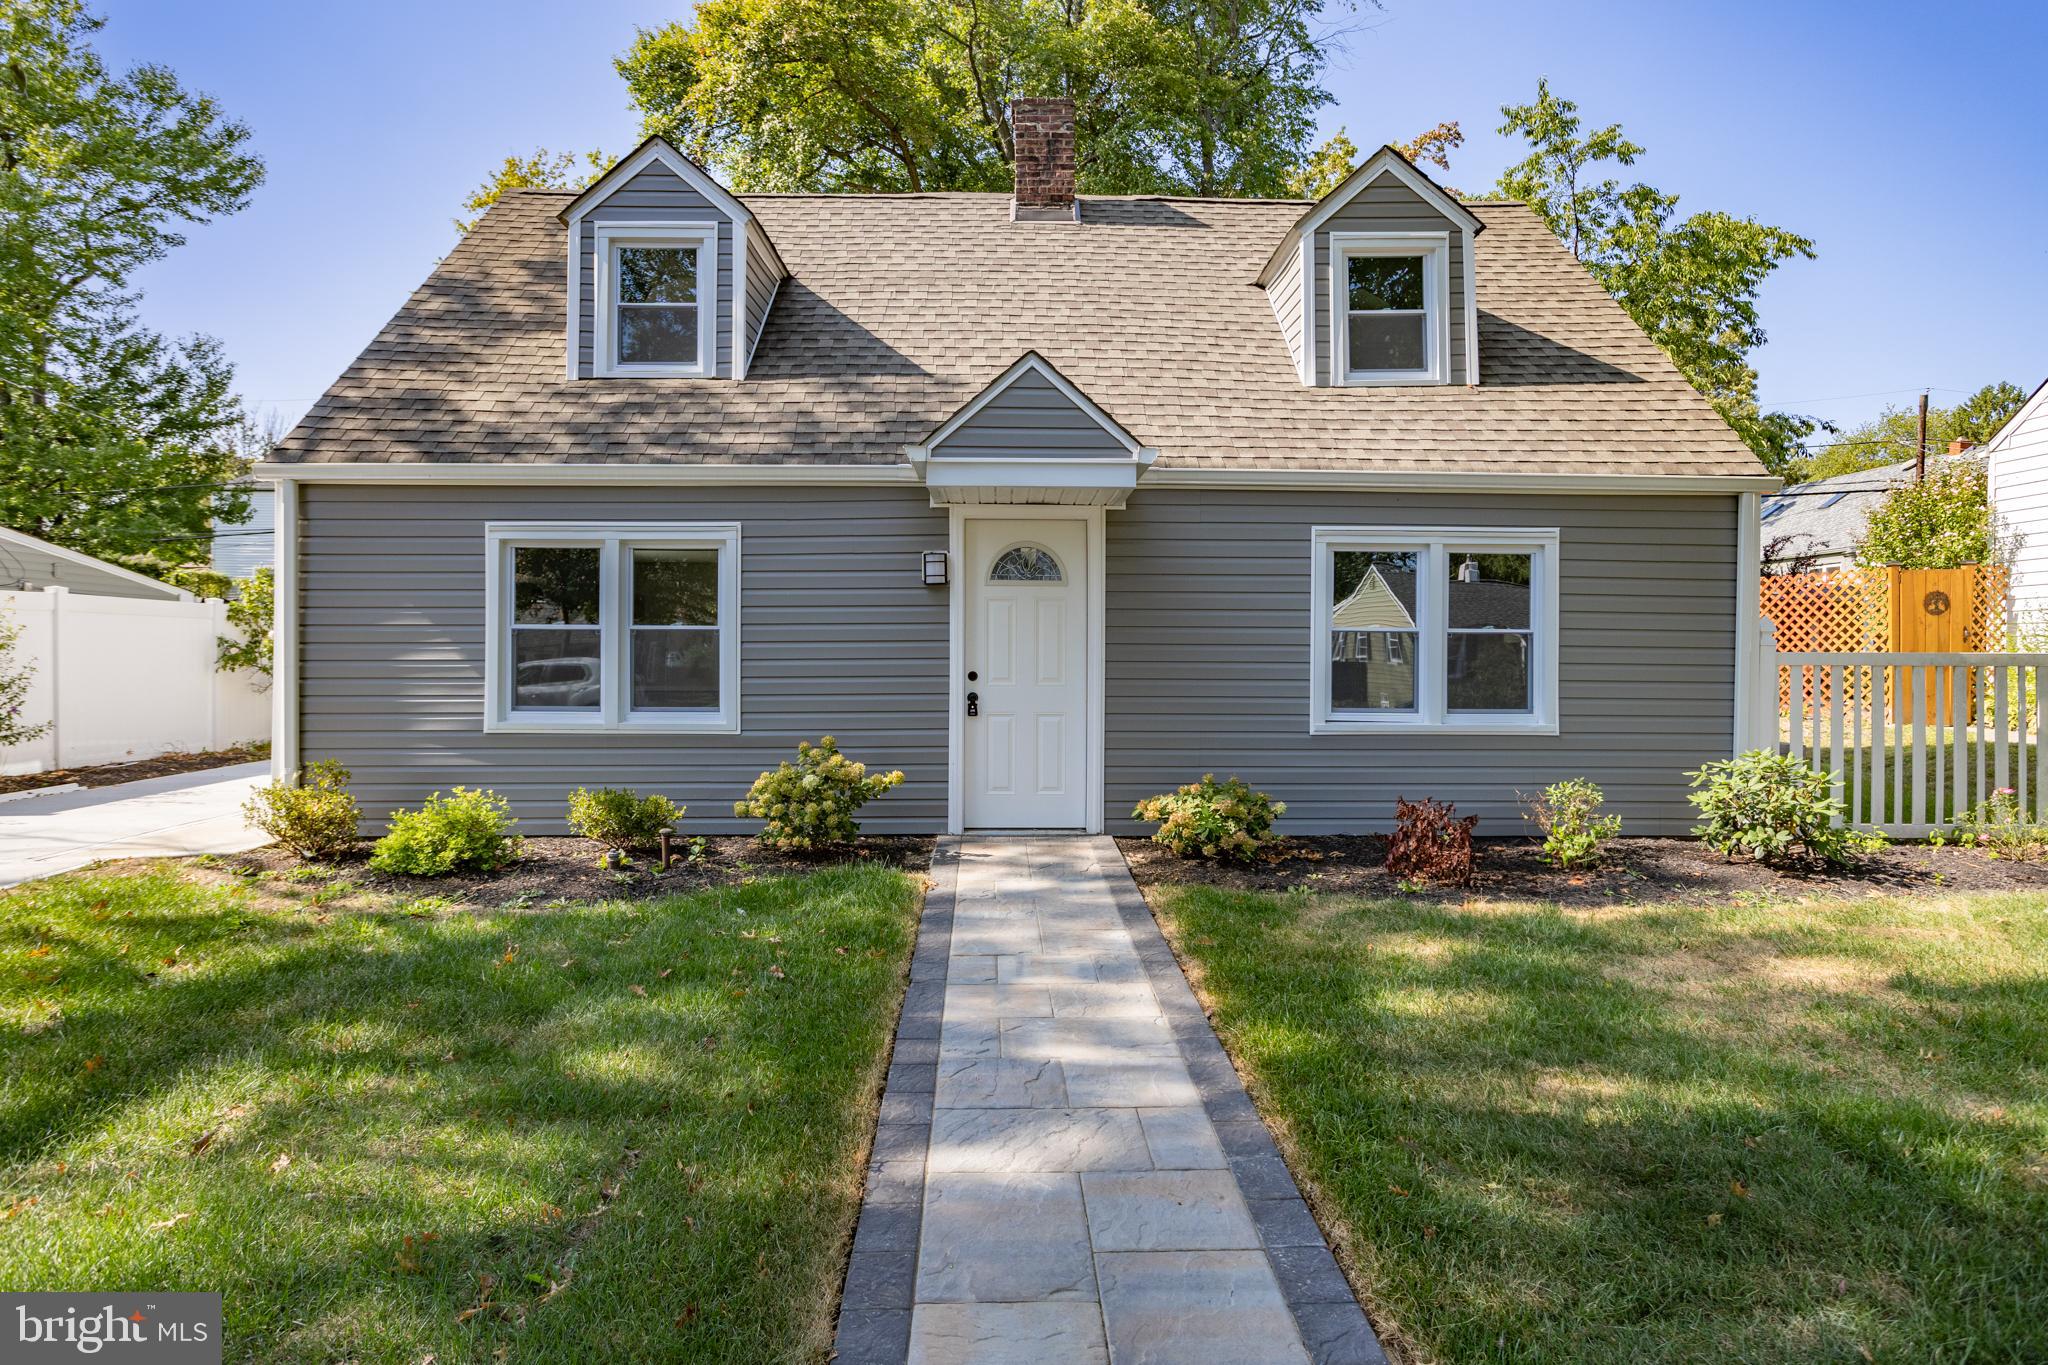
x,y
1511,355
808,337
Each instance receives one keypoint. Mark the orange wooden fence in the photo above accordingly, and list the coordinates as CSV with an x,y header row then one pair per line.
x,y
1884,610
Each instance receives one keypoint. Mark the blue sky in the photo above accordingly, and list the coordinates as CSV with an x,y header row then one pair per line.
x,y
1911,142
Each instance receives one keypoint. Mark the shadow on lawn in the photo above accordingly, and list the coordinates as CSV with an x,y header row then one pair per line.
x,y
625,1092
1627,1138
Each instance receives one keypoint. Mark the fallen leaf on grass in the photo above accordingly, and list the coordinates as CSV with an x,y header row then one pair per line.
x,y
1397,1191
1740,1190
95,1062
17,1208
40,950
284,1159
203,1141
687,1316
169,1222
665,972
1713,1220
408,1257
638,990
776,972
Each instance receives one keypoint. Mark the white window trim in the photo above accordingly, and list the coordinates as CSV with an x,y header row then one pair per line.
x,y
1434,546
614,542
1435,249
604,341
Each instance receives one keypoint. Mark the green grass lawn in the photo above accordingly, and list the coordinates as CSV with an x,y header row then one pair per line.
x,y
1757,1132
395,1132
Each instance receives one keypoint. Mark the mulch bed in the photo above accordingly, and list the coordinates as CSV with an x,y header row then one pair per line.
x,y
1641,872
113,774
562,869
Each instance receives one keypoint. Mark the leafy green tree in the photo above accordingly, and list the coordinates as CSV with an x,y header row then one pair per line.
x,y
543,170
14,683
1690,282
1337,157
113,439
1940,522
1192,96
250,613
1894,435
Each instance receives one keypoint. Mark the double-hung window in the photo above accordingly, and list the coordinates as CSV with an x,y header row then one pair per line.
x,y
1390,307
1433,629
656,298
608,626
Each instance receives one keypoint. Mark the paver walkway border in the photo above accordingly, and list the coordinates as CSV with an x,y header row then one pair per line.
x,y
882,1280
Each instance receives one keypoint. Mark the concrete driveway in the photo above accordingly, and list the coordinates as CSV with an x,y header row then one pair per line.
x,y
159,817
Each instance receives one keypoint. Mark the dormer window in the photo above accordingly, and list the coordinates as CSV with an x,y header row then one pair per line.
x,y
653,316
1389,296
657,305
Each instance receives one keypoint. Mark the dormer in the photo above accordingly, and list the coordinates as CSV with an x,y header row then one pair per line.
x,y
655,247
1374,284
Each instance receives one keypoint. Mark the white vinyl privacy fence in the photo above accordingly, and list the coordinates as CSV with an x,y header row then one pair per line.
x,y
122,678
1912,741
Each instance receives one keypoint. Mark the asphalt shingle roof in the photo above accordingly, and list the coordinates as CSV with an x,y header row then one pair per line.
x,y
900,308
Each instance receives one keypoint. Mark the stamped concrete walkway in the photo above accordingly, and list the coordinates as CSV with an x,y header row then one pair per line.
x,y
1067,1167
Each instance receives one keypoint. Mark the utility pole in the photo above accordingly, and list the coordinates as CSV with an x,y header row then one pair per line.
x,y
1920,460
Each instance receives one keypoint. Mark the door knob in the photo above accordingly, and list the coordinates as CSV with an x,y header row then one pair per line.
x,y
974,703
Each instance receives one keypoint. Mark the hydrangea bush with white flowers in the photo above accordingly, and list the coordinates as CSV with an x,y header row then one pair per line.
x,y
810,803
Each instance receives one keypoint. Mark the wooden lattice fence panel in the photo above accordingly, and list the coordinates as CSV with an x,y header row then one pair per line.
x,y
1839,611
1833,611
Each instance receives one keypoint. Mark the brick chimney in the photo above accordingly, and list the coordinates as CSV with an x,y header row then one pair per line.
x,y
1043,132
1959,445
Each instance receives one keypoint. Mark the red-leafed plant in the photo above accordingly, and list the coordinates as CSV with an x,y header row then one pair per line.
x,y
1430,843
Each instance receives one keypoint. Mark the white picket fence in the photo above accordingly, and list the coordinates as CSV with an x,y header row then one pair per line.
x,y
1912,741
123,678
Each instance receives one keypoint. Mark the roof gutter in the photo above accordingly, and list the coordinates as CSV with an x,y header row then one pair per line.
x,y
500,472
1450,481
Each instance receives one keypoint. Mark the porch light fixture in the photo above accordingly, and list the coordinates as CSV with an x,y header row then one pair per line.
x,y
935,568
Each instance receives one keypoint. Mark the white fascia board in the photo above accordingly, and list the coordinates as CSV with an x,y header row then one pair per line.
x,y
617,474
1045,472
1031,362
2018,419
1387,162
1424,481
657,151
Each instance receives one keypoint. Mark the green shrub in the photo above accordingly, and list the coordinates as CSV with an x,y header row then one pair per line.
x,y
2003,828
1772,807
621,819
312,814
1575,833
1211,819
470,831
810,803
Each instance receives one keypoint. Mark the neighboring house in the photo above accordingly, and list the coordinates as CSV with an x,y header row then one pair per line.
x,y
2017,458
241,548
1045,501
1819,524
28,564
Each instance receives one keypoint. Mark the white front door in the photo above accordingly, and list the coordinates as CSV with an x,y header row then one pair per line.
x,y
1026,656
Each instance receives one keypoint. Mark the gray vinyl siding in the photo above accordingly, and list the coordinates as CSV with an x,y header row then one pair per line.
x,y
838,636
1031,418
763,274
1208,657
654,195
1387,205
1284,293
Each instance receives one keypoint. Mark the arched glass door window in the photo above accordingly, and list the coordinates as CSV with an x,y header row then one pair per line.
x,y
1025,564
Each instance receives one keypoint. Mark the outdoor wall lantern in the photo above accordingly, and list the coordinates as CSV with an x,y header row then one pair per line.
x,y
935,568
